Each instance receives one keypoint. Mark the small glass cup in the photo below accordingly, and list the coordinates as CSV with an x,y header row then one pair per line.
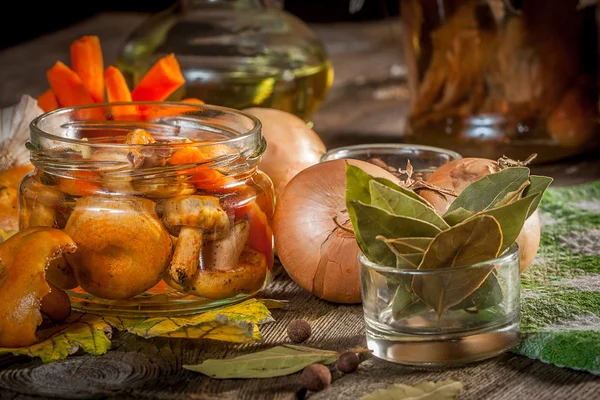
x,y
402,328
424,159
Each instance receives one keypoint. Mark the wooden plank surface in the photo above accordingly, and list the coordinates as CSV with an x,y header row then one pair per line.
x,y
367,101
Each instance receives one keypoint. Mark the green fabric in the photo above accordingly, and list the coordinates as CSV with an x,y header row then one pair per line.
x,y
560,291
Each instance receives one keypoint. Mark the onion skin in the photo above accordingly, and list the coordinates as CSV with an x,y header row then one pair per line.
x,y
318,255
529,240
291,145
457,175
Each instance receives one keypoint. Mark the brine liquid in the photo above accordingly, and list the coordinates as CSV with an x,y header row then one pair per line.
x,y
298,91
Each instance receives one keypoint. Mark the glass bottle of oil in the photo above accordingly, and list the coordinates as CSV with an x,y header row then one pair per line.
x,y
235,53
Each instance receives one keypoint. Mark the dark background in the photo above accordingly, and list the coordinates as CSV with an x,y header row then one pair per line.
x,y
25,20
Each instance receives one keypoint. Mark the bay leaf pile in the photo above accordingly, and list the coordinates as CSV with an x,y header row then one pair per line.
x,y
397,228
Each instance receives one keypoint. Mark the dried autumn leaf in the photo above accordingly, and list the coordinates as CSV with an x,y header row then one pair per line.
x,y
445,390
277,361
237,323
473,241
80,331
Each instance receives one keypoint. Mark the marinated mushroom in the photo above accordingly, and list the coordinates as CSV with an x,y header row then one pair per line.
x,y
56,304
223,254
49,209
194,216
9,197
22,281
123,248
248,276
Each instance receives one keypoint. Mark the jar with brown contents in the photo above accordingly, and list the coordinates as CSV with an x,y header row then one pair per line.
x,y
490,78
167,207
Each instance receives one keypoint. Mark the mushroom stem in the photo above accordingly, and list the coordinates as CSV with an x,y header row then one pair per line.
x,y
223,254
186,257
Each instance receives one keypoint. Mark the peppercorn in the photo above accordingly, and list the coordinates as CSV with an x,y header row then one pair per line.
x,y
315,377
298,330
347,362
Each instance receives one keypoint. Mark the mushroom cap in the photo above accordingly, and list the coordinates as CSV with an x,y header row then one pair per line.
x,y
123,249
202,212
25,257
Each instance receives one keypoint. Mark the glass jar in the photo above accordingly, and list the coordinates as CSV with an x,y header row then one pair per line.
x,y
395,156
234,53
490,78
164,201
482,320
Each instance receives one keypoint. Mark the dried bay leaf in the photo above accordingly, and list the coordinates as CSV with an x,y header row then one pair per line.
x,y
406,305
444,390
357,186
457,216
409,244
373,221
513,196
485,193
474,241
87,332
398,203
538,185
489,294
277,361
511,218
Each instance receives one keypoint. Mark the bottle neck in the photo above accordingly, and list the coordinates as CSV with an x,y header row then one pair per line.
x,y
191,5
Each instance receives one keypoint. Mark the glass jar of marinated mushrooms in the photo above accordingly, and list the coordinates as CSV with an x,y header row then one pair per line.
x,y
503,77
165,202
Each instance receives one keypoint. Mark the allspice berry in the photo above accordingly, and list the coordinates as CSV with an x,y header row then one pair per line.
x,y
347,362
298,330
315,377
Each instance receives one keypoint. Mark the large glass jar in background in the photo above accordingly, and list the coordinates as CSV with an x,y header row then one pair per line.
x,y
235,53
172,219
493,77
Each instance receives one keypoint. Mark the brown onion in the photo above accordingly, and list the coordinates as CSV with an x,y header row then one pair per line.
x,y
291,145
316,252
458,174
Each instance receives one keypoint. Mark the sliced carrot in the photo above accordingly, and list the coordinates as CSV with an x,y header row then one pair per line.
x,y
47,101
88,63
203,176
160,81
69,91
261,233
81,184
118,91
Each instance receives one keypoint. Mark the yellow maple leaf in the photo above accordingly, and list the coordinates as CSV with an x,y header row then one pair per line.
x,y
80,331
237,323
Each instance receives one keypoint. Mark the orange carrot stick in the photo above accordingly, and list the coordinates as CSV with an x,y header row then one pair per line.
x,y
116,86
118,91
160,81
67,86
69,91
87,62
47,101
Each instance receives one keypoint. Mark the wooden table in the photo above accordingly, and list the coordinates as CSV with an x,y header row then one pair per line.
x,y
366,103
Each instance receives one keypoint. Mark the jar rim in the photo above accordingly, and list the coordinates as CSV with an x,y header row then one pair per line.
x,y
34,127
346,151
510,254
